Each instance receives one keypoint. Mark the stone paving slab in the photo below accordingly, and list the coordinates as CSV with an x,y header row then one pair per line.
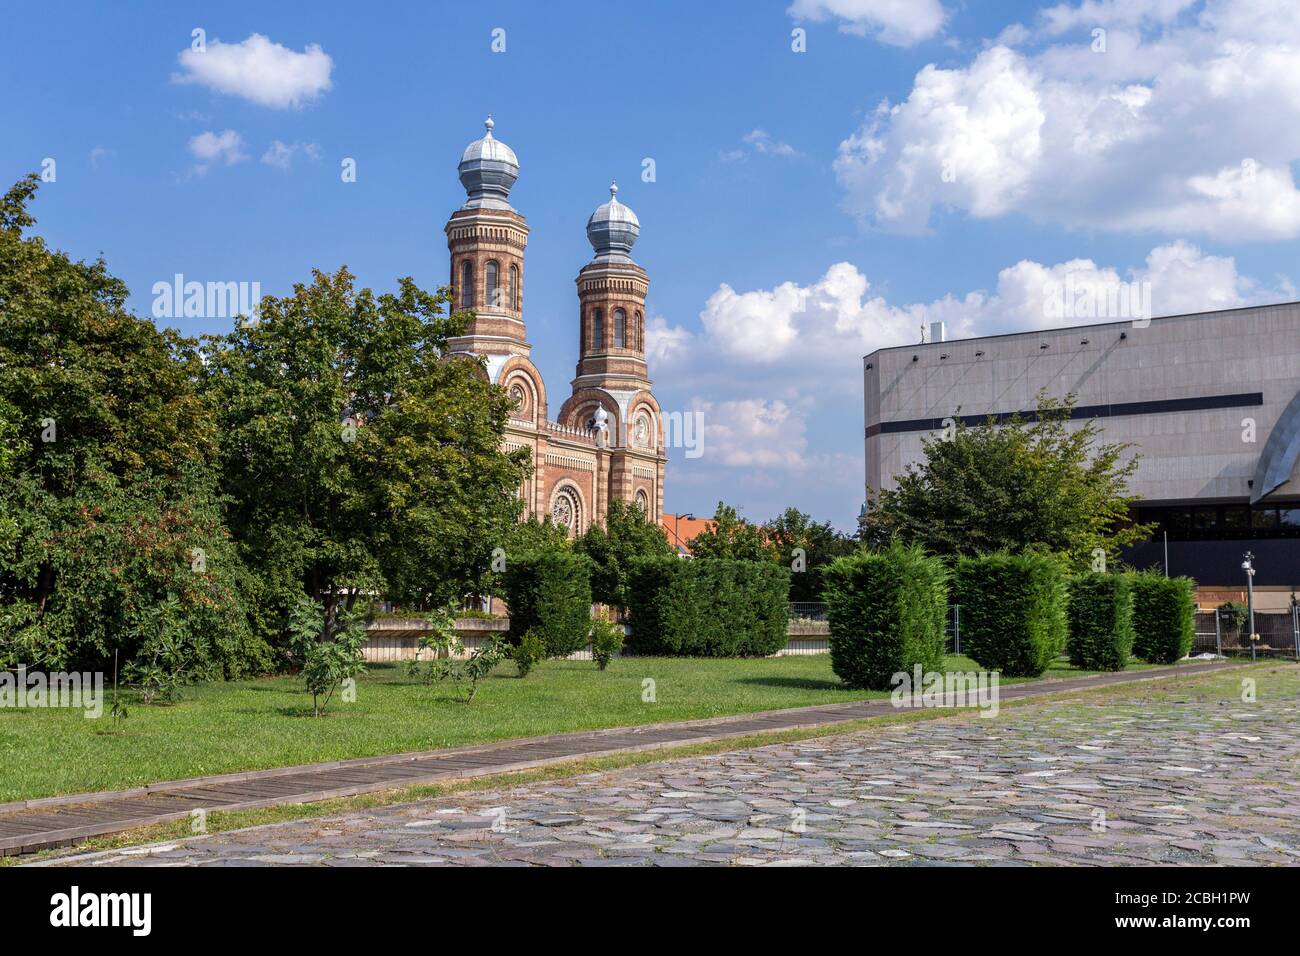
x,y
1133,780
27,826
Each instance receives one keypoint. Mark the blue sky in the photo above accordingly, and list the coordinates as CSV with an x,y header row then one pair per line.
x,y
794,223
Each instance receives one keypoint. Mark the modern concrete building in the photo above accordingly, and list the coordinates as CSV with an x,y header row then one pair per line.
x,y
1211,401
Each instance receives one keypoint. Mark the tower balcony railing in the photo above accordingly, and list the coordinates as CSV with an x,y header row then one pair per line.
x,y
573,432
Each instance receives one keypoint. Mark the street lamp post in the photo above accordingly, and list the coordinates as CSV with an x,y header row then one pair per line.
x,y
1248,566
677,521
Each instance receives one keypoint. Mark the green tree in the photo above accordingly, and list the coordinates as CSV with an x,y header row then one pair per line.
x,y
1039,484
521,541
808,548
110,505
12,449
325,662
359,457
626,535
731,536
535,534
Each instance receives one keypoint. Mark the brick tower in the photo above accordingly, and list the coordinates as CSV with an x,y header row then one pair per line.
x,y
611,388
611,296
486,238
607,441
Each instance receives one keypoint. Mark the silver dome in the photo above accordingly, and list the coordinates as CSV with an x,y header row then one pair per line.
x,y
488,170
613,228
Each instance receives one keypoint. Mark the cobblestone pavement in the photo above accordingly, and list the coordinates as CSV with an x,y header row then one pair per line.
x,y
1157,776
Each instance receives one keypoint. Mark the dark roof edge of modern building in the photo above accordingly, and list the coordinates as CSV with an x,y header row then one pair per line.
x,y
1075,328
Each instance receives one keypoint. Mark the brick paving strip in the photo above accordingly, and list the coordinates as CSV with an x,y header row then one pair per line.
x,y
31,825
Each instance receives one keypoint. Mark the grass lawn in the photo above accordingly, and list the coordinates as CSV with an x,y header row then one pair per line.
x,y
258,724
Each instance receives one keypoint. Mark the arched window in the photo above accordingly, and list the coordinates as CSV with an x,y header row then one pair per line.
x,y
620,329
514,287
566,510
491,290
640,333
597,330
467,285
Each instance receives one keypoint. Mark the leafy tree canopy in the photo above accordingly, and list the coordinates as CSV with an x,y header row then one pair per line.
x,y
1043,484
536,534
359,457
807,547
626,535
792,539
731,536
109,507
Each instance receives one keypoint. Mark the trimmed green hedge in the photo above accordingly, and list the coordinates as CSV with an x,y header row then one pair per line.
x,y
887,611
707,607
550,592
1164,616
1012,611
1101,621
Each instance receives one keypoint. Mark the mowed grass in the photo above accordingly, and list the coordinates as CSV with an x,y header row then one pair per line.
x,y
259,724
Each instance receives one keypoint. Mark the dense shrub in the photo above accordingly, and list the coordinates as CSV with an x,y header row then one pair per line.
x,y
529,652
1013,617
550,592
606,641
1164,617
1232,619
708,607
1101,621
887,611
626,535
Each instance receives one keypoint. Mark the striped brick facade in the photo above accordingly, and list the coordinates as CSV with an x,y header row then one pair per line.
x,y
606,441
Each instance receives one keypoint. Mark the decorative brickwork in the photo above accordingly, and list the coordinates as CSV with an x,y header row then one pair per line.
x,y
607,440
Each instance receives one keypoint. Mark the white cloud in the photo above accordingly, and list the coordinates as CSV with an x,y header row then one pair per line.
x,y
211,148
281,155
665,344
896,22
96,154
831,322
1180,277
763,434
752,433
258,70
1187,123
1105,13
759,142
763,143
776,373
817,334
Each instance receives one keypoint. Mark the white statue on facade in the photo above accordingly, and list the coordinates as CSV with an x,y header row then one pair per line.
x,y
600,425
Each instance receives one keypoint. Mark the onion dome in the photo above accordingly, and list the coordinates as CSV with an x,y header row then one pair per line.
x,y
613,228
488,170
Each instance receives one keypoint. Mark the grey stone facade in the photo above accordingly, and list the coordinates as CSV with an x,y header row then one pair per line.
x,y
1198,395
1185,455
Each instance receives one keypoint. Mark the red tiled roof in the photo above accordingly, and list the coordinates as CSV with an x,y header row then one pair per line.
x,y
681,530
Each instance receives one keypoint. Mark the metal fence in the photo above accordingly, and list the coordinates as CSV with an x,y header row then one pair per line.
x,y
807,611
817,612
1279,635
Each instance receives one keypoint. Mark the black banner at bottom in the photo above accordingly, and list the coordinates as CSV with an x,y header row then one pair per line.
x,y
145,905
